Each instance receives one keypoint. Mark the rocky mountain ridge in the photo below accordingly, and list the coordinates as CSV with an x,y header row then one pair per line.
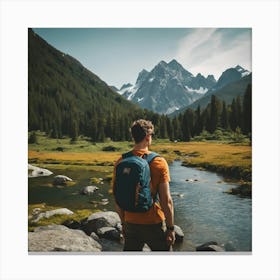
x,y
170,87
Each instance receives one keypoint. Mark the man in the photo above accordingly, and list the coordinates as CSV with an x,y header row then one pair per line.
x,y
156,226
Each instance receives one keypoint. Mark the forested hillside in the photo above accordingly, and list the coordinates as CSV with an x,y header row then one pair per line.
x,y
66,99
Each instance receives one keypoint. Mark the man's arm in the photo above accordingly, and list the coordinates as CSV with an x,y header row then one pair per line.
x,y
166,204
120,212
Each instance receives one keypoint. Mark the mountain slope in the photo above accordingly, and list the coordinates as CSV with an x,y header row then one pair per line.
x,y
228,76
167,88
226,93
64,96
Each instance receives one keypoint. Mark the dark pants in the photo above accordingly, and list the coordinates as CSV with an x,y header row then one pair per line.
x,y
137,235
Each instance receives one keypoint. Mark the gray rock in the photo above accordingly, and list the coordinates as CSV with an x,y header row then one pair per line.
x,y
111,245
178,234
34,171
93,225
109,233
99,220
119,227
88,190
73,224
50,227
60,238
48,214
61,180
210,246
112,218
94,236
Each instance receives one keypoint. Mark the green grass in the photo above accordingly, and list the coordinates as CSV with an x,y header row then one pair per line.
x,y
229,159
82,145
56,219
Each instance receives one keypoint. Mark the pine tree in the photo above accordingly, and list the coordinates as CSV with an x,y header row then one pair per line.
x,y
74,132
233,115
100,131
186,127
176,128
170,130
198,126
239,112
214,114
224,117
93,129
247,111
163,128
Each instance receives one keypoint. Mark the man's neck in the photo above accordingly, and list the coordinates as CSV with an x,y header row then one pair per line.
x,y
141,146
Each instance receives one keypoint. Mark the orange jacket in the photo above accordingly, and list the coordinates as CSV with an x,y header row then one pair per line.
x,y
159,174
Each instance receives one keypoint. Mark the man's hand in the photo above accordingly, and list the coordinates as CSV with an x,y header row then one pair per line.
x,y
170,237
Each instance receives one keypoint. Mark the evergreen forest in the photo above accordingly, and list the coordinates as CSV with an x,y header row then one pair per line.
x,y
66,99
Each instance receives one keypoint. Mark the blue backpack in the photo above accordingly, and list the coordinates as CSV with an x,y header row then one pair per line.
x,y
132,185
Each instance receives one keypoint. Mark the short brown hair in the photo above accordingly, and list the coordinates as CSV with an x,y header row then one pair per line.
x,y
140,129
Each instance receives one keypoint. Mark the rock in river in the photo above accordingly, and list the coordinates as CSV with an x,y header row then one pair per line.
x,y
60,238
88,190
210,246
34,171
178,234
61,180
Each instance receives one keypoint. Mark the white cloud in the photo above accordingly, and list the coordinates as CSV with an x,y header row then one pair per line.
x,y
211,51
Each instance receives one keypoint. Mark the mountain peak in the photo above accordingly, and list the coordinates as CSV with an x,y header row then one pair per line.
x,y
162,63
199,75
211,78
125,86
242,71
142,76
174,62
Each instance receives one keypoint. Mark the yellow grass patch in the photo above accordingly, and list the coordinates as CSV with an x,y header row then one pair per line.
x,y
191,153
74,158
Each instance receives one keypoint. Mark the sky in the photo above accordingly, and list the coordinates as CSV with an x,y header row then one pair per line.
x,y
117,55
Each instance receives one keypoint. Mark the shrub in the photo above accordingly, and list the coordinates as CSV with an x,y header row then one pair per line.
x,y
110,149
33,138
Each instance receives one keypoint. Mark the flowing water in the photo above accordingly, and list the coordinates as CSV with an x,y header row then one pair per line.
x,y
205,213
202,209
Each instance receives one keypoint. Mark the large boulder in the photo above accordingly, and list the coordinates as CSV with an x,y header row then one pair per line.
x,y
34,171
48,214
60,238
93,225
110,233
100,219
111,217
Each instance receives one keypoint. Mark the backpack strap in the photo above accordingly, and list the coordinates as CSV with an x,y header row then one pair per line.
x,y
128,154
150,157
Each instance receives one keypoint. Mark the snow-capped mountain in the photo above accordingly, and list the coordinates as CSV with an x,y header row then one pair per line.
x,y
167,87
230,75
170,87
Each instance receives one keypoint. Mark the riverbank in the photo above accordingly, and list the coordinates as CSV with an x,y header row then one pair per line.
x,y
234,161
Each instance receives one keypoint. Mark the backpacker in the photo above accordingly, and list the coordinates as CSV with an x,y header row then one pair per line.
x,y
132,185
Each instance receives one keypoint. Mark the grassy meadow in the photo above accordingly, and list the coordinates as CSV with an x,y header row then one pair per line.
x,y
232,160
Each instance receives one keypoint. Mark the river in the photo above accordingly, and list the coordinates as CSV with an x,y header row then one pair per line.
x,y
202,209
205,213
